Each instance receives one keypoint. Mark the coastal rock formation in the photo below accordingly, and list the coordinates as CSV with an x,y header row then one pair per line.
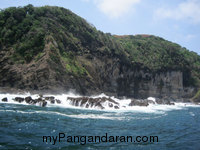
x,y
93,102
57,51
28,99
58,101
4,99
19,99
164,101
41,101
89,102
138,103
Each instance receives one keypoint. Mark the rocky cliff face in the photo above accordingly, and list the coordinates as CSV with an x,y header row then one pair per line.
x,y
141,84
56,51
110,76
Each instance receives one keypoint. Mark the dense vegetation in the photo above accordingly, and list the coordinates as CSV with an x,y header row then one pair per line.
x,y
196,97
21,29
26,30
159,54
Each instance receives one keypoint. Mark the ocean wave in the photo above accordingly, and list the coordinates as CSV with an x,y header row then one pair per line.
x,y
123,105
104,116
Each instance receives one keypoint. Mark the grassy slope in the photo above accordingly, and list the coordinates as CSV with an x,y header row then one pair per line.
x,y
28,29
159,54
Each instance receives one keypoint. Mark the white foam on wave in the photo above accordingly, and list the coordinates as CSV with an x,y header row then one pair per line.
x,y
103,116
79,116
151,99
191,113
123,104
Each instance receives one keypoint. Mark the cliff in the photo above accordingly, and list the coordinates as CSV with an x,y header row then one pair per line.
x,y
52,49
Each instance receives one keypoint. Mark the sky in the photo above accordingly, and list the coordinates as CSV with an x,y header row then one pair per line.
x,y
174,20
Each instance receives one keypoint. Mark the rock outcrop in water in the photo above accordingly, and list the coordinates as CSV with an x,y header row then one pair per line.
x,y
93,102
139,103
50,49
41,101
4,99
89,102
164,101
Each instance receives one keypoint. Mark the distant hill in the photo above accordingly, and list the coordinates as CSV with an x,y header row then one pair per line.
x,y
52,49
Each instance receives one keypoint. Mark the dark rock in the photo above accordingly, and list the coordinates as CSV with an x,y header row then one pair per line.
x,y
33,101
5,99
38,100
50,98
110,100
159,101
167,102
74,101
19,99
116,107
98,104
164,101
52,101
91,102
58,101
110,105
185,100
139,103
87,106
28,99
44,103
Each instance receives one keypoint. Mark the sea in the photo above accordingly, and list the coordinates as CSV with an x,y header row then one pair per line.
x,y
66,127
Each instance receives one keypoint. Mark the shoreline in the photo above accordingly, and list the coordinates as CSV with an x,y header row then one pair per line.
x,y
98,102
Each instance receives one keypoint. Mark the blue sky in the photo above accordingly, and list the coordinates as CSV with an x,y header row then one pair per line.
x,y
175,20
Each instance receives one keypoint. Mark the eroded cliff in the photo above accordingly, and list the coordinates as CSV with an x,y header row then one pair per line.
x,y
50,49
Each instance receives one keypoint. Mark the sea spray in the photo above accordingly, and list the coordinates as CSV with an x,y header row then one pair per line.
x,y
122,105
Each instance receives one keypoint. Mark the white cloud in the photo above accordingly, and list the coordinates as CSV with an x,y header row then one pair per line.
x,y
188,10
86,0
114,8
190,37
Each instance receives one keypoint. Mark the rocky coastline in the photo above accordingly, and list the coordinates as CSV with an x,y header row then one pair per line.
x,y
89,102
88,61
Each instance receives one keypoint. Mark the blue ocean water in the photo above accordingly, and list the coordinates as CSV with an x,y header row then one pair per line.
x,y
23,127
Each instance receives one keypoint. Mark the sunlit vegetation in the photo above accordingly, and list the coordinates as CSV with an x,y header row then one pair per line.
x,y
25,30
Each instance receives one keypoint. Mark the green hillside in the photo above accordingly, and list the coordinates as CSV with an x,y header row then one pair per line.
x,y
69,43
159,54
